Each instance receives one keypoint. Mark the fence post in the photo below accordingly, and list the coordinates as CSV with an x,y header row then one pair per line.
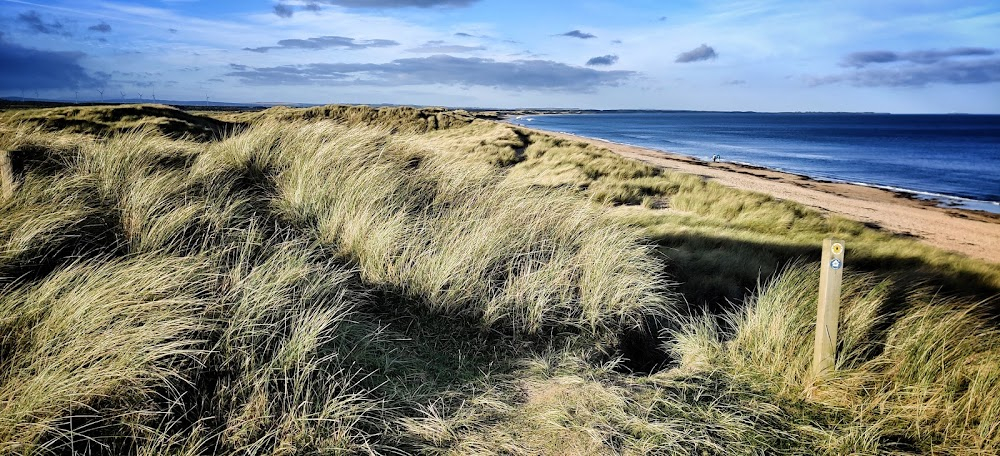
x,y
7,181
828,312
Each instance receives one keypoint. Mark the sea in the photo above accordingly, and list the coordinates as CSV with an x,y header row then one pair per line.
x,y
953,159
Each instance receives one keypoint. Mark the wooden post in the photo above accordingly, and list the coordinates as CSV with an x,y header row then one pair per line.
x,y
7,182
828,312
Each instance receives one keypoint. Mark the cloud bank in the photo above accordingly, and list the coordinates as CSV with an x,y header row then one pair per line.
x,y
865,58
437,69
103,27
982,71
33,21
604,60
578,34
283,10
325,42
703,52
441,47
40,70
966,65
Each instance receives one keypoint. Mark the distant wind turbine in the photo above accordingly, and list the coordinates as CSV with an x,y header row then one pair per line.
x,y
76,96
36,94
123,96
154,96
102,94
140,96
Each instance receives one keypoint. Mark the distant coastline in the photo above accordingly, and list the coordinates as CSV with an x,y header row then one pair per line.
x,y
992,208
971,232
479,111
899,153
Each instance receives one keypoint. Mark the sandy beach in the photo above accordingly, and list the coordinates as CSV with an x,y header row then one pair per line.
x,y
973,233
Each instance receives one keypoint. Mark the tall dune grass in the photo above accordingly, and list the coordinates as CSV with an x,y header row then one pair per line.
x,y
917,374
164,296
87,346
283,373
456,235
44,225
915,370
396,281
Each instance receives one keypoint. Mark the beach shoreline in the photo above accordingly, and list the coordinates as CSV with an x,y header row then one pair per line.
x,y
970,232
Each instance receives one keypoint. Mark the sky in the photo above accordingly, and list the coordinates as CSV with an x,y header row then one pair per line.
x,y
912,56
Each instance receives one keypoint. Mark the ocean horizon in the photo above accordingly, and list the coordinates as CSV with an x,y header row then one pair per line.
x,y
953,159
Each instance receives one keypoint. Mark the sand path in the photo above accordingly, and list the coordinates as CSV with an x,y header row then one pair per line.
x,y
972,233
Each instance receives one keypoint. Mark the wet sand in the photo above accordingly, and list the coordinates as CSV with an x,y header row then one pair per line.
x,y
973,233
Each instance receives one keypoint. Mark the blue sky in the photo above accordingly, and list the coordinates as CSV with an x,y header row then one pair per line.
x,y
847,55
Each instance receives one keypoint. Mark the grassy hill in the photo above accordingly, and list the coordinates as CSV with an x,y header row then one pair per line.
x,y
400,281
110,119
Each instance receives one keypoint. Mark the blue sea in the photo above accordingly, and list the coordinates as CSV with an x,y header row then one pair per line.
x,y
951,158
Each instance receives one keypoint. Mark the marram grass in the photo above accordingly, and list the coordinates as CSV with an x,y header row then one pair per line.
x,y
348,280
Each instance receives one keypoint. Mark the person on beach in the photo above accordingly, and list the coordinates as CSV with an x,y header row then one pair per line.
x,y
715,158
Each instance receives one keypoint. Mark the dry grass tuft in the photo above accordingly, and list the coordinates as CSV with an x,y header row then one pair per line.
x,y
915,370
